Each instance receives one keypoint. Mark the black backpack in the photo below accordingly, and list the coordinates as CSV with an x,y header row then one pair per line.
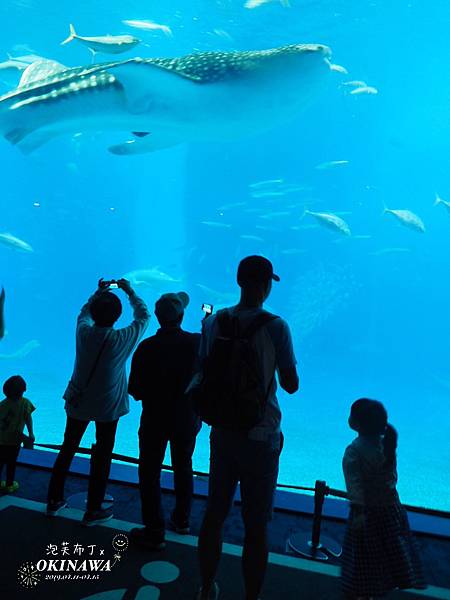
x,y
231,393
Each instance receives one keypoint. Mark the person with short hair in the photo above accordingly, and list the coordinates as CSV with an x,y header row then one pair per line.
x,y
97,392
249,457
15,414
161,370
379,553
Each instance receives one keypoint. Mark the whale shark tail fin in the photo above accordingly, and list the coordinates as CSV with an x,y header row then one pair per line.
x,y
145,142
72,36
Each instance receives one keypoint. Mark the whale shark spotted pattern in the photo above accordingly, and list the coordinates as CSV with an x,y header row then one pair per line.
x,y
176,100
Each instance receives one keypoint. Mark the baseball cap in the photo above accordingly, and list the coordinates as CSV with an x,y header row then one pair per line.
x,y
256,268
170,307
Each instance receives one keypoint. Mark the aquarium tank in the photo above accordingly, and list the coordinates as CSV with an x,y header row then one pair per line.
x,y
320,142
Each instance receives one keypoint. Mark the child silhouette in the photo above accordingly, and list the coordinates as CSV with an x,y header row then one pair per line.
x,y
379,553
15,413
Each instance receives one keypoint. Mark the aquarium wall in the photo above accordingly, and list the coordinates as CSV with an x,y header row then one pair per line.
x,y
349,198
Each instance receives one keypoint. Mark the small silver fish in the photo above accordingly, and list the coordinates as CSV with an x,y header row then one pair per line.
x,y
331,221
346,239
152,277
232,205
223,34
445,203
256,3
148,26
109,44
331,164
267,194
275,215
265,183
336,68
13,242
407,218
268,228
368,89
355,83
216,224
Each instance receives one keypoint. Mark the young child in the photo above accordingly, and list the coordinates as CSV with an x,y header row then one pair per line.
x,y
379,553
15,413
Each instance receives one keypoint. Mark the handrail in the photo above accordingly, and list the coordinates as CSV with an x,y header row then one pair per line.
x,y
327,490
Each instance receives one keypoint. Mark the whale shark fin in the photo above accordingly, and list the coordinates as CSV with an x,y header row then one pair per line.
x,y
39,70
15,136
141,80
145,144
28,140
35,140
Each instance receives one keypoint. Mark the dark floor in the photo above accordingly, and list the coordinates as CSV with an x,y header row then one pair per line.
x,y
33,486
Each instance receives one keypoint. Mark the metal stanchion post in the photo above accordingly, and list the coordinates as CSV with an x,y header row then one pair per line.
x,y
314,546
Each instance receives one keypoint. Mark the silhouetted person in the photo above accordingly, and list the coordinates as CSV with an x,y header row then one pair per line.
x,y
161,370
15,413
249,457
97,392
379,553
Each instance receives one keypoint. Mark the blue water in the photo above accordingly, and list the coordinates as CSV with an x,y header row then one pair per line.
x,y
367,318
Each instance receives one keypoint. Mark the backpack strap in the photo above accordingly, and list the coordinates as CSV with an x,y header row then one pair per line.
x,y
254,326
259,322
229,324
226,323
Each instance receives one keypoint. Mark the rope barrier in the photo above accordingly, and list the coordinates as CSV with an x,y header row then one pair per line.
x,y
321,489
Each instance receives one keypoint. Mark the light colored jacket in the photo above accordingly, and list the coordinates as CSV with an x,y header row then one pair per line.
x,y
105,397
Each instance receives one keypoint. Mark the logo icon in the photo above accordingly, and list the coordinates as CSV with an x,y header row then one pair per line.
x,y
120,542
72,561
28,575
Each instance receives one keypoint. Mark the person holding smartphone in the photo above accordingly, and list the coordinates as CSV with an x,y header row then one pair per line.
x,y
97,392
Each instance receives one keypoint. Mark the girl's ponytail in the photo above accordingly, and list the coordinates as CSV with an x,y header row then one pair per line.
x,y
390,445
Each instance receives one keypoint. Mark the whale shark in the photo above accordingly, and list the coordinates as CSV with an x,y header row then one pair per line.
x,y
209,96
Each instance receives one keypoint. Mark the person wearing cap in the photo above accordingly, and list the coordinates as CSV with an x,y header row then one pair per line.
x,y
97,392
249,457
161,370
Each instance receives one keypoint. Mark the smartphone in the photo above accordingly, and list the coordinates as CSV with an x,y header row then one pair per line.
x,y
207,308
113,286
